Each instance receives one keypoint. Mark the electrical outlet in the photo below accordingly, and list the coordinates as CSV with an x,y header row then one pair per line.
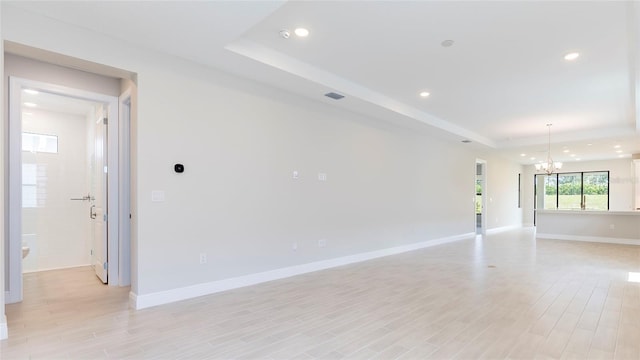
x,y
322,243
203,258
296,174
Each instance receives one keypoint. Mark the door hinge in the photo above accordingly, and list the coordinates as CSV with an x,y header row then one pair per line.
x,y
105,266
105,120
104,217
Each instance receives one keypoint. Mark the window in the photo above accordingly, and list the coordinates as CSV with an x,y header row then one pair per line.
x,y
596,190
550,191
569,188
39,143
573,191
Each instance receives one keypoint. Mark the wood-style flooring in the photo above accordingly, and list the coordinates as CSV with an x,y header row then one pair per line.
x,y
507,295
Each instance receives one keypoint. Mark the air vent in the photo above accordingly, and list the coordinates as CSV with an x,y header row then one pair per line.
x,y
334,96
466,141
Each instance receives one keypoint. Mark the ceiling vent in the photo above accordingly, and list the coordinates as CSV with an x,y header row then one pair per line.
x,y
334,96
466,141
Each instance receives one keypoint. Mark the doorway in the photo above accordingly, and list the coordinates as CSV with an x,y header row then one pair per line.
x,y
63,182
480,197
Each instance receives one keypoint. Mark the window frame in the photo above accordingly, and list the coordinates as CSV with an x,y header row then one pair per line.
x,y
557,181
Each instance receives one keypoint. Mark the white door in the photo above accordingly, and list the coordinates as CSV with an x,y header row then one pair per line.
x,y
98,194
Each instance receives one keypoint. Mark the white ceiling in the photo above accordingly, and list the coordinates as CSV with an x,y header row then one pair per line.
x,y
500,83
45,101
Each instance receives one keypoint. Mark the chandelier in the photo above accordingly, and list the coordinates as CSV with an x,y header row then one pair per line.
x,y
550,166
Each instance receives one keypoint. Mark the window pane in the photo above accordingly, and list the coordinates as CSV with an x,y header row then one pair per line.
x,y
569,191
550,192
596,190
39,143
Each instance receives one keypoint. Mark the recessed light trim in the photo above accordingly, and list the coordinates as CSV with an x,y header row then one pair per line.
x,y
572,56
424,94
301,32
523,154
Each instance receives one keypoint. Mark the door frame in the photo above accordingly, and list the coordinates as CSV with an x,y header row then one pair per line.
x,y
16,84
483,179
124,190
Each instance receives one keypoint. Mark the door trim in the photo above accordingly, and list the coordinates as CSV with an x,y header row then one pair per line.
x,y
483,179
124,236
16,84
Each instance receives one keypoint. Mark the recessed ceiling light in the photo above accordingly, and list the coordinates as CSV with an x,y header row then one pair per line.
x,y
424,94
621,155
30,91
573,155
30,104
578,159
617,147
618,151
523,154
301,32
589,144
571,56
565,151
532,158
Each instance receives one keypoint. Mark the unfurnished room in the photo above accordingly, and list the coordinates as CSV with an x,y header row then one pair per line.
x,y
320,179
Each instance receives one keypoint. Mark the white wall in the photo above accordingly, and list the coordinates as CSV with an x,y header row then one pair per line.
x,y
31,69
620,183
240,142
57,231
502,193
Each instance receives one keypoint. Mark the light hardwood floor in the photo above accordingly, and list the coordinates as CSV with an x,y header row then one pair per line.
x,y
504,296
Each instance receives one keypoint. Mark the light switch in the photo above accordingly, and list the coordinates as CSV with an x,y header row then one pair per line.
x,y
322,177
157,196
296,175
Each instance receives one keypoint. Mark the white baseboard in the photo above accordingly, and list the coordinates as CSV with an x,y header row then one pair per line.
x,y
164,297
526,225
503,229
598,239
4,330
